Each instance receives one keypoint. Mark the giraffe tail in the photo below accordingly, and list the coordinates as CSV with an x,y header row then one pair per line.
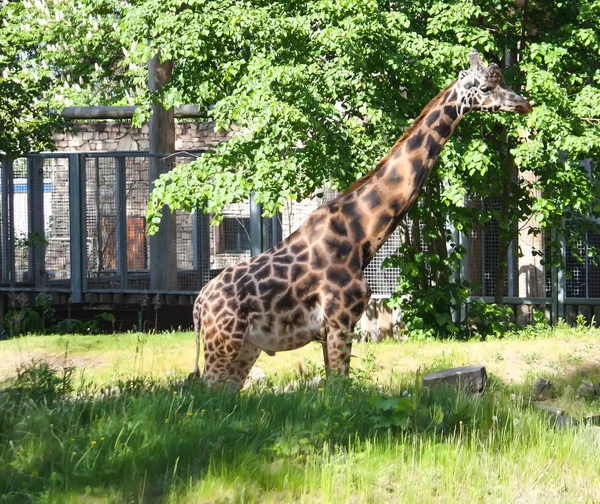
x,y
197,333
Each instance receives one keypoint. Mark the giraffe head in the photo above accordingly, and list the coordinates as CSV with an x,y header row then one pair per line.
x,y
483,88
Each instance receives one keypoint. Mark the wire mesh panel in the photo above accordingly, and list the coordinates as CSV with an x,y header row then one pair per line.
x,y
188,273
56,219
138,244
575,263
593,277
582,268
101,223
383,281
21,220
230,240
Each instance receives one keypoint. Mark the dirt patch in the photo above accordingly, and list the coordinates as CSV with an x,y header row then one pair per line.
x,y
12,360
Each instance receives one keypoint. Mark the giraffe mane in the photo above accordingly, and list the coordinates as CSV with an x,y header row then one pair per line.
x,y
398,145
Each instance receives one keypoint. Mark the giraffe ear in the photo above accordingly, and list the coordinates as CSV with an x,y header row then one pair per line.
x,y
476,63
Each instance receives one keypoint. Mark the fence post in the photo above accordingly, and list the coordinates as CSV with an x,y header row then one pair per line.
x,y
558,282
8,226
121,205
163,244
256,227
201,241
36,238
77,225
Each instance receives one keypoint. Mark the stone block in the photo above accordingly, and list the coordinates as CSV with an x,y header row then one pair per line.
x,y
563,422
523,314
592,419
126,143
541,387
469,378
586,389
87,135
548,408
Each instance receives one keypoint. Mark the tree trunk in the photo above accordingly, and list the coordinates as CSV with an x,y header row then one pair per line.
x,y
163,251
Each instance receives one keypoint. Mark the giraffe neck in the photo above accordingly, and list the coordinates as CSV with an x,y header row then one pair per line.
x,y
393,187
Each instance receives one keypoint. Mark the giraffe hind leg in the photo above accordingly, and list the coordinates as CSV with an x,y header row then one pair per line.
x,y
339,349
228,358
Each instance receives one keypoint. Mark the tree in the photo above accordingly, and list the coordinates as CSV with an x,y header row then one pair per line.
x,y
318,91
53,55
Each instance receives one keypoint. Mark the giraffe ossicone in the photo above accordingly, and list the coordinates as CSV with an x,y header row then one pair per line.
x,y
311,286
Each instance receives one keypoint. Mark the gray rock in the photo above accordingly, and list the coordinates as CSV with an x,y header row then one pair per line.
x,y
541,387
469,378
592,419
586,389
563,422
256,377
548,408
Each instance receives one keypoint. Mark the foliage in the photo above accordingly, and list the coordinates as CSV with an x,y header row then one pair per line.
x,y
41,319
318,91
426,296
54,55
42,382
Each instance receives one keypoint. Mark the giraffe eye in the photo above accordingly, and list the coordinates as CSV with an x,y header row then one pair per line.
x,y
468,85
485,89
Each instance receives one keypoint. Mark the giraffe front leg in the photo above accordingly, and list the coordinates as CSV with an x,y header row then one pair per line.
x,y
339,348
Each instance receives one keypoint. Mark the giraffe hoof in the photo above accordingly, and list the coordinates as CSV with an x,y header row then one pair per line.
x,y
193,376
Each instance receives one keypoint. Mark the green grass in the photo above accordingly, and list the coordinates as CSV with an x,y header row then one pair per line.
x,y
379,437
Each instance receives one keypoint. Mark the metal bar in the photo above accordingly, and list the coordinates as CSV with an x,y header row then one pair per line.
x,y
121,206
201,245
554,281
561,284
77,225
36,235
256,227
124,112
511,269
8,235
275,229
112,154
511,300
587,267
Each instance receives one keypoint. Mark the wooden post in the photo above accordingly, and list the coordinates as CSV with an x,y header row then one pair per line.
x,y
163,251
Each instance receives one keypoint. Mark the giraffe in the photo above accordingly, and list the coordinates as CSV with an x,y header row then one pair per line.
x,y
311,286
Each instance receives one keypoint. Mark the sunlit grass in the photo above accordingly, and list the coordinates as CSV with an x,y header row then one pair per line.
x,y
150,436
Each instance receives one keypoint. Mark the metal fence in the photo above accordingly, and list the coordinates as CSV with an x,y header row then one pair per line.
x,y
75,223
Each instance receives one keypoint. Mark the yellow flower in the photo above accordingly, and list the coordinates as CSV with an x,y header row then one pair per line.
x,y
74,453
93,442
203,411
72,439
320,389
102,438
34,474
166,420
174,392
18,454
190,413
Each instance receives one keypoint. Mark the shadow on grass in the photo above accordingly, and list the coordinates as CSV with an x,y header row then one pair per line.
x,y
143,440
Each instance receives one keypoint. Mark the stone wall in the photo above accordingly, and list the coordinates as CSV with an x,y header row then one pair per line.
x,y
122,136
